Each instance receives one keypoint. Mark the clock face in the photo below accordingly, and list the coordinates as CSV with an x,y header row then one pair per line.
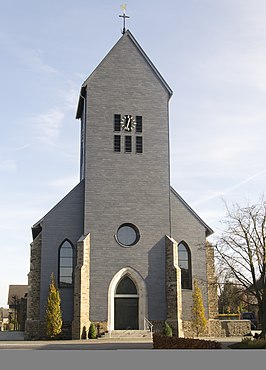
x,y
128,123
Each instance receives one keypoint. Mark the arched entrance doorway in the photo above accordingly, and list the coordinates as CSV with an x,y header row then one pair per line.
x,y
127,301
126,305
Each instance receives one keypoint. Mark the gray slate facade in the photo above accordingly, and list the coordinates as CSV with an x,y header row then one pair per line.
x,y
117,188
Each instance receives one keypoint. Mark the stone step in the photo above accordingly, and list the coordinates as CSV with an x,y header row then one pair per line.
x,y
127,334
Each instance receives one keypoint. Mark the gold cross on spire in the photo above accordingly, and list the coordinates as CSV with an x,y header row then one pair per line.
x,y
124,7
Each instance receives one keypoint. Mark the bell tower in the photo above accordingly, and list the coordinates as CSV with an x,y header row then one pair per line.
x,y
123,109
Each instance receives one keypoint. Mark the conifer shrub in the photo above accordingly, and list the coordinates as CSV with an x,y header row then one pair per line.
x,y
167,330
92,331
199,321
53,317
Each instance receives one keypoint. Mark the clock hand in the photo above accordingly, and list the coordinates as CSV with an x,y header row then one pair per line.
x,y
128,122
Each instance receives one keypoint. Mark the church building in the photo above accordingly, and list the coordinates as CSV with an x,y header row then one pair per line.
x,y
123,245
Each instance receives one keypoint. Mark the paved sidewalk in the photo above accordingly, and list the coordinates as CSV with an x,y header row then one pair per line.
x,y
76,345
98,344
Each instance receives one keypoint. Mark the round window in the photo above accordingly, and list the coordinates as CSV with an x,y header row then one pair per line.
x,y
127,235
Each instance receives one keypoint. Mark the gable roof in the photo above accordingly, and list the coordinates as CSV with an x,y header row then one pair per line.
x,y
145,56
209,231
129,35
18,291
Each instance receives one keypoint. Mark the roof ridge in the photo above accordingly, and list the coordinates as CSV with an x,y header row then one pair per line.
x,y
143,54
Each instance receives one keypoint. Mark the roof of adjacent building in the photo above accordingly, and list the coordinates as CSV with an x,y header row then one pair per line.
x,y
18,291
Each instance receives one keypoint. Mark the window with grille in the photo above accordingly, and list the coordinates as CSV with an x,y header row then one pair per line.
x,y
138,124
139,147
117,122
117,143
128,144
184,262
65,264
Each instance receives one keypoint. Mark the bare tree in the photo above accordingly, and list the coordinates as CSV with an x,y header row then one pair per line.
x,y
231,298
16,307
241,250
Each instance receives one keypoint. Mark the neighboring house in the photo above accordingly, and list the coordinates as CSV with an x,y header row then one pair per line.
x,y
123,245
4,319
17,302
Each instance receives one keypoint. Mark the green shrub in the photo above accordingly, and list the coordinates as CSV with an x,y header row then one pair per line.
x,y
199,321
246,340
248,343
167,330
92,331
53,316
164,342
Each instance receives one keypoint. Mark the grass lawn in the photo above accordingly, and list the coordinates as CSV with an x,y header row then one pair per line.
x,y
248,343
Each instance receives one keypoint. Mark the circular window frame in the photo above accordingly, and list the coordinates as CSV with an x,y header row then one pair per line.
x,y
133,227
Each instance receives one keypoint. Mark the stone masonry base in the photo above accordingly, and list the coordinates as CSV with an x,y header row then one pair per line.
x,y
219,328
35,330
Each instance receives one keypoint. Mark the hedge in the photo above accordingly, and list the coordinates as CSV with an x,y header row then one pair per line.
x,y
164,342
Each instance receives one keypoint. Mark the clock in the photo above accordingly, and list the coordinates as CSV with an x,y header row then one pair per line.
x,y
128,123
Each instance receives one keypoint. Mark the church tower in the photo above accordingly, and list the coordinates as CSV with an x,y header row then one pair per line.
x,y
125,166
123,245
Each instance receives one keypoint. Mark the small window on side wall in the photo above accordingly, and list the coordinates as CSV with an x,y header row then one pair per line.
x,y
65,277
184,262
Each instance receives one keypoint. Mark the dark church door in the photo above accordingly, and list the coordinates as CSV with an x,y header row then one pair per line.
x,y
126,305
126,313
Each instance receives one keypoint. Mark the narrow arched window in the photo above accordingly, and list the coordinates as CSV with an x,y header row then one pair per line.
x,y
65,264
184,262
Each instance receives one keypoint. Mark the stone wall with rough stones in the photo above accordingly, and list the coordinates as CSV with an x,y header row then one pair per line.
x,y
33,297
32,329
219,328
229,328
189,332
81,322
173,287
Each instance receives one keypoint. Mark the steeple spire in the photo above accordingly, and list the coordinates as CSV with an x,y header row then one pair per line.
x,y
124,16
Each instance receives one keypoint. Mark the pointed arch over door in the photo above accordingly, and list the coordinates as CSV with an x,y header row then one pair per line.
x,y
127,293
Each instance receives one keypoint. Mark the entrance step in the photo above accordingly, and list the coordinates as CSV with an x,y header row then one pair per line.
x,y
127,334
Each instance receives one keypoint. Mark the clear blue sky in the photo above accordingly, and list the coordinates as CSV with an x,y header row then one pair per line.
x,y
211,53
